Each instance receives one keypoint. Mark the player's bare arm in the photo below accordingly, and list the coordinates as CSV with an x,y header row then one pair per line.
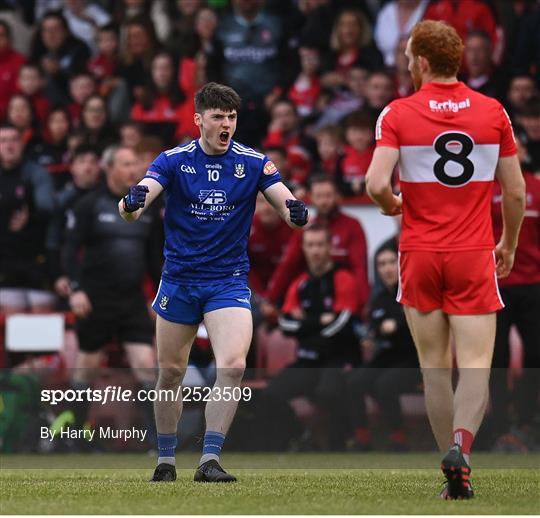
x,y
143,194
378,180
513,207
292,211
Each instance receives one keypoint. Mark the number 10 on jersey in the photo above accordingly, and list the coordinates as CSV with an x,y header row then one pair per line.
x,y
213,175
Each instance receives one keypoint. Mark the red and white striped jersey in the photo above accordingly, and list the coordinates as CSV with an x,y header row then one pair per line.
x,y
449,139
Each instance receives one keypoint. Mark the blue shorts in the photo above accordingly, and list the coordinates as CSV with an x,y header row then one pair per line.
x,y
187,303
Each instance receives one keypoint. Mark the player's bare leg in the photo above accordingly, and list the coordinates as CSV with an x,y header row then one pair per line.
x,y
430,332
230,331
174,343
475,338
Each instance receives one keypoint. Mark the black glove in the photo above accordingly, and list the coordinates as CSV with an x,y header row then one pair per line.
x,y
298,212
135,198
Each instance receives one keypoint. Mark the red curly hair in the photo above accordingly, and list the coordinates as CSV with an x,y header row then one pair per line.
x,y
440,44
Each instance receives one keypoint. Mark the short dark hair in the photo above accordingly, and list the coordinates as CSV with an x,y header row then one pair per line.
x,y
109,27
215,96
317,227
8,126
276,149
360,119
322,178
85,149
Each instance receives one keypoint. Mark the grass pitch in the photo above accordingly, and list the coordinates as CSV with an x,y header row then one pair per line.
x,y
295,484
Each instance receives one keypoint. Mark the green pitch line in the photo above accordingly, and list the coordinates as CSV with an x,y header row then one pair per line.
x,y
296,484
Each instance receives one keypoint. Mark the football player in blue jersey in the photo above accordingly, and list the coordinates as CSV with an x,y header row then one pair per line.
x,y
211,185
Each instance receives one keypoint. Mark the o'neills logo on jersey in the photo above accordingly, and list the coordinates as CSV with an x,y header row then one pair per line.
x,y
449,106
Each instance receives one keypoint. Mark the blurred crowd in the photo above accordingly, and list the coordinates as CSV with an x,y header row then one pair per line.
x,y
92,90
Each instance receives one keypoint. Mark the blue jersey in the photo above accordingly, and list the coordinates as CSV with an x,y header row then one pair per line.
x,y
210,201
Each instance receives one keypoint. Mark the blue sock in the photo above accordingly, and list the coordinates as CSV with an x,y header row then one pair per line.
x,y
213,442
167,448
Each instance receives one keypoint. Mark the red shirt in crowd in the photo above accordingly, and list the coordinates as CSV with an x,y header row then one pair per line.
x,y
447,164
355,163
342,297
102,66
162,111
11,61
464,16
526,268
304,94
349,249
265,249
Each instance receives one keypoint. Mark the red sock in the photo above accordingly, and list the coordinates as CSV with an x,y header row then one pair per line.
x,y
465,439
362,435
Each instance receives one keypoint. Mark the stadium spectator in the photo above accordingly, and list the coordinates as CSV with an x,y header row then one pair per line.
x,y
203,64
465,17
106,285
30,82
338,102
163,108
20,113
529,119
351,46
291,176
319,16
395,21
380,90
84,18
521,90
284,130
26,204
155,11
146,150
131,134
481,74
11,63
85,171
104,64
330,152
105,67
349,247
59,53
404,85
306,88
252,47
267,242
96,129
359,137
520,292
136,55
52,151
527,46
81,87
182,39
393,366
319,311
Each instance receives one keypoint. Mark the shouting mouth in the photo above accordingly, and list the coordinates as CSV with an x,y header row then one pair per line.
x,y
224,137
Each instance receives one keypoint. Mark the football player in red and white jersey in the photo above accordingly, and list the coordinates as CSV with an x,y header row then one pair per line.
x,y
450,143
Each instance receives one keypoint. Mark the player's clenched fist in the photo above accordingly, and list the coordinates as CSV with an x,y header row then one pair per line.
x,y
298,212
135,198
